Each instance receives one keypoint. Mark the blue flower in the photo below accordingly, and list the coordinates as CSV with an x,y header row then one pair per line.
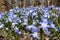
x,y
16,9
34,35
58,28
34,22
13,26
44,19
51,6
34,14
44,25
53,26
57,8
17,31
1,16
31,12
1,26
46,32
7,29
9,19
25,21
54,14
29,27
10,13
34,29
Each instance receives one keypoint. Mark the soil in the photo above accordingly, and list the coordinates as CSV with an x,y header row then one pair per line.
x,y
3,7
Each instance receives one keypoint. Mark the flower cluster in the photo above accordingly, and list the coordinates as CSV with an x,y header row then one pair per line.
x,y
30,19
